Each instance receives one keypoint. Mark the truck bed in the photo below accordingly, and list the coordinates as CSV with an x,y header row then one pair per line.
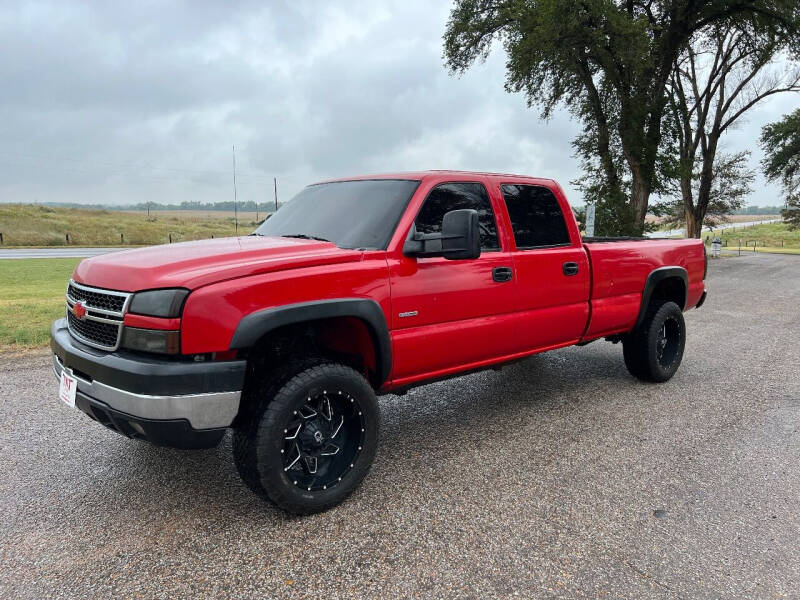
x,y
620,267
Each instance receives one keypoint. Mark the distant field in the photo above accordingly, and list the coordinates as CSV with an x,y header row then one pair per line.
x,y
771,237
31,298
28,225
731,219
201,214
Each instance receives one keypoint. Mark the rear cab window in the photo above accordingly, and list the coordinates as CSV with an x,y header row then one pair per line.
x,y
537,220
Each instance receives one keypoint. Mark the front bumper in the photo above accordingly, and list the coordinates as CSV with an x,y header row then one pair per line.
x,y
169,403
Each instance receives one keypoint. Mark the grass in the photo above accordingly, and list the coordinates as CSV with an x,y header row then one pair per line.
x,y
770,237
31,298
29,225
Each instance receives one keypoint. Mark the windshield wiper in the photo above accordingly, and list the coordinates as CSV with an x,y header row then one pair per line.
x,y
305,236
256,233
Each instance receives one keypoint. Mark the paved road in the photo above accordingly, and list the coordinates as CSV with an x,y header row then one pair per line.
x,y
560,476
62,252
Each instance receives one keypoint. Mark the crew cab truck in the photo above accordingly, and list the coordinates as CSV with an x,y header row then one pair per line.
x,y
355,288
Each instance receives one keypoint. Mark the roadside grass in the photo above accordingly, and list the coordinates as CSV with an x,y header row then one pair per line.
x,y
770,237
761,250
29,225
31,298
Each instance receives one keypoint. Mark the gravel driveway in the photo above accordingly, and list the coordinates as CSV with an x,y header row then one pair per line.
x,y
560,476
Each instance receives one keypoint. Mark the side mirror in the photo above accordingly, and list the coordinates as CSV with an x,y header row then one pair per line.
x,y
460,238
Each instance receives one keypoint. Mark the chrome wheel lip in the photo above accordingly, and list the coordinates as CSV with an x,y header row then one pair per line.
x,y
317,412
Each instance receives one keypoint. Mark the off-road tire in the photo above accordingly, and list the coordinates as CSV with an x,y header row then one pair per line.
x,y
260,436
641,347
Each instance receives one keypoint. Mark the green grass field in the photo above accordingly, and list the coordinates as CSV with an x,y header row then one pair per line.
x,y
31,298
770,237
29,225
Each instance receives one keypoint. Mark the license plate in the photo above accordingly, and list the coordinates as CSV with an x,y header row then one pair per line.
x,y
67,389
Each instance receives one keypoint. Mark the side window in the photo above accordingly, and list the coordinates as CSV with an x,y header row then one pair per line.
x,y
536,217
454,196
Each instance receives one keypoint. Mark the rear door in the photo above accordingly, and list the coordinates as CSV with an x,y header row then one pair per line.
x,y
449,314
551,267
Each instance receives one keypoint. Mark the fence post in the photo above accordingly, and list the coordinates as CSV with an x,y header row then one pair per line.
x,y
740,246
121,238
1,238
67,237
170,238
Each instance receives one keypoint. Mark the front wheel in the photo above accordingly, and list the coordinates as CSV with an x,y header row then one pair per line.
x,y
653,352
311,438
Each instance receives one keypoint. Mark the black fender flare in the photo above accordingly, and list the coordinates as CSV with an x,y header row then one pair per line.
x,y
255,325
653,279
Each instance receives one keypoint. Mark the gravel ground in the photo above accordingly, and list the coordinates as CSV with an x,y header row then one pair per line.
x,y
560,476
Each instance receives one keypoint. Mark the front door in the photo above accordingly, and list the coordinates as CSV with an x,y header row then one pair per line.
x,y
447,314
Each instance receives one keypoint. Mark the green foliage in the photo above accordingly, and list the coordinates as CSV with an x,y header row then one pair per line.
x,y
609,62
781,144
731,183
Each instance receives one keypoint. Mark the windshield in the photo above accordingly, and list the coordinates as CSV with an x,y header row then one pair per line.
x,y
351,214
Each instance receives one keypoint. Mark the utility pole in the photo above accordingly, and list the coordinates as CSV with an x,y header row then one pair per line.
x,y
235,213
275,181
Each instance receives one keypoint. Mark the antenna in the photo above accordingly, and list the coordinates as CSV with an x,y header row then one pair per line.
x,y
275,180
235,213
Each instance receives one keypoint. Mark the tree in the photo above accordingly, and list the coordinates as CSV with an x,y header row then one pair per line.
x,y
610,61
722,75
781,144
731,182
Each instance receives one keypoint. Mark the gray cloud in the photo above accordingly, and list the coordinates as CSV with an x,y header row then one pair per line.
x,y
127,102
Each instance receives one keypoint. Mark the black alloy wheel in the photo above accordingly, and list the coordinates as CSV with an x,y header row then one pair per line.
x,y
307,436
654,350
322,440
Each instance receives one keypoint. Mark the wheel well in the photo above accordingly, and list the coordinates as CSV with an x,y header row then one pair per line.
x,y
671,289
346,340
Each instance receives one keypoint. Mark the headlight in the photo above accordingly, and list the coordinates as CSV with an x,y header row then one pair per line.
x,y
159,303
151,340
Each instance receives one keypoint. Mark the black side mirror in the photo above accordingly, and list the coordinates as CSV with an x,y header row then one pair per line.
x,y
460,238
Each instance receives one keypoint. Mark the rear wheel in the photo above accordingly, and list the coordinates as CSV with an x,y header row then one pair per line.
x,y
653,352
311,437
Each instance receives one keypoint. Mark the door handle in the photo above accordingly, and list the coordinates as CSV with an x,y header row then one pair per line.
x,y
501,274
570,268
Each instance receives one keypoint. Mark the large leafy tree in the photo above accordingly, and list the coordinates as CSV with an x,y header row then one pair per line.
x,y
609,61
724,73
781,144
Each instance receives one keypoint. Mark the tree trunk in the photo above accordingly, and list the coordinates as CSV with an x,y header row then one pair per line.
x,y
640,196
706,182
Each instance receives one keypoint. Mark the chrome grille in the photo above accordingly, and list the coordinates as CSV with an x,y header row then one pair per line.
x,y
96,298
101,327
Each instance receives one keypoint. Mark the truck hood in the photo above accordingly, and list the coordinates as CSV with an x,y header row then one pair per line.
x,y
194,264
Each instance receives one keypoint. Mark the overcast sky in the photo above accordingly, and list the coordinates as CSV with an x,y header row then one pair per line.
x,y
136,101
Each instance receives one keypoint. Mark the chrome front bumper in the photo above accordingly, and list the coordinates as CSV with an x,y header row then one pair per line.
x,y
202,411
165,401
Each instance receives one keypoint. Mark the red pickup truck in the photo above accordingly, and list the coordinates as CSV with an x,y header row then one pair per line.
x,y
355,288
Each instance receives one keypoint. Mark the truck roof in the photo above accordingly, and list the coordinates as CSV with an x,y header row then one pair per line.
x,y
441,174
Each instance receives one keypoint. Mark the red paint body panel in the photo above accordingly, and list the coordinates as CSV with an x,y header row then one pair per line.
x,y
212,312
444,316
146,322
